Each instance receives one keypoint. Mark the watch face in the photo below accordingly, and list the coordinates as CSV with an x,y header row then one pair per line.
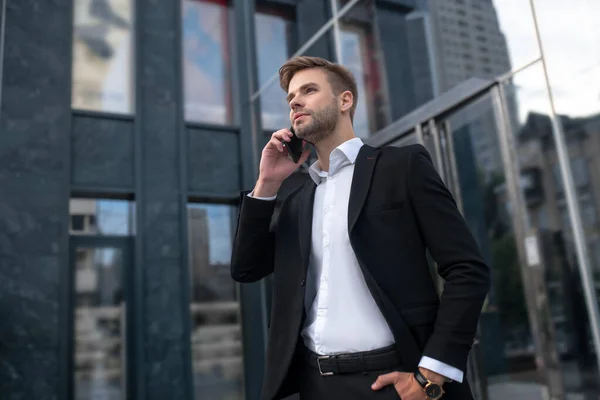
x,y
433,391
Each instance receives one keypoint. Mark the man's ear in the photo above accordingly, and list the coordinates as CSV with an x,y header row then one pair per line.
x,y
346,101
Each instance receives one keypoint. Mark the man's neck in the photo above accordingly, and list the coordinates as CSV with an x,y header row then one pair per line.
x,y
326,146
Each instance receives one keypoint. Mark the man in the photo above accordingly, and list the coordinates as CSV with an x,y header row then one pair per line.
x,y
355,311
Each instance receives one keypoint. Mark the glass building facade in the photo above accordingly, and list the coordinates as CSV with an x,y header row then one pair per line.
x,y
130,127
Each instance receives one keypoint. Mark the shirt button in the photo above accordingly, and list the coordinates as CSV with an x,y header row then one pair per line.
x,y
326,209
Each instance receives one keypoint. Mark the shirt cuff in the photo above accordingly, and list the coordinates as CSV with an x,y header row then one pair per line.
x,y
251,194
441,368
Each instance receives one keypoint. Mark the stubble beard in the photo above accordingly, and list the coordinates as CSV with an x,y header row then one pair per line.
x,y
322,125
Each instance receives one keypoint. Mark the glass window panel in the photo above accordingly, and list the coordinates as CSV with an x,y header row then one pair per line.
x,y
536,148
217,351
273,44
102,217
207,43
572,54
99,358
507,343
362,56
103,56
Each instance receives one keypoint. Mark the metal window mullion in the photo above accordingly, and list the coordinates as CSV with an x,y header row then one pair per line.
x,y
455,181
337,34
433,131
419,134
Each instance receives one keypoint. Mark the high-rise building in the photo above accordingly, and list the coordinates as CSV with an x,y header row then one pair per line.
x,y
468,41
452,41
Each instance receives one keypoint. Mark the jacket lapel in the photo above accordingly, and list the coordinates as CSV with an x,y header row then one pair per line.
x,y
307,197
361,181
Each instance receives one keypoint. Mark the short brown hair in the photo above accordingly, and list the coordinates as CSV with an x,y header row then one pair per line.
x,y
340,78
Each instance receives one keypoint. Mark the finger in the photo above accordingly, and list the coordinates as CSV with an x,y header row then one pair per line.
x,y
384,380
282,134
276,143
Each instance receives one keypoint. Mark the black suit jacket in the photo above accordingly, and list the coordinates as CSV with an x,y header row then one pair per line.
x,y
398,208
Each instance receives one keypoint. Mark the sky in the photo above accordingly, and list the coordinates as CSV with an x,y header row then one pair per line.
x,y
570,33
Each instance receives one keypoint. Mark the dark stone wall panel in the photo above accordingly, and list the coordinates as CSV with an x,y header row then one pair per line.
x,y
102,153
164,272
213,161
34,163
161,247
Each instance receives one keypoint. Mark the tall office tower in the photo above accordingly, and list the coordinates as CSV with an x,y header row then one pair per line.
x,y
468,41
464,41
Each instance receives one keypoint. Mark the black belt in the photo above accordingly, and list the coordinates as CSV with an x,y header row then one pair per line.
x,y
374,360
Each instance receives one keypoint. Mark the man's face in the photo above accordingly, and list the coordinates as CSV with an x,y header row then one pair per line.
x,y
314,110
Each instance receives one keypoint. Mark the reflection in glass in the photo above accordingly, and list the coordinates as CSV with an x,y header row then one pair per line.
x,y
273,43
102,217
573,60
217,352
100,343
207,36
103,56
361,55
352,45
536,150
507,345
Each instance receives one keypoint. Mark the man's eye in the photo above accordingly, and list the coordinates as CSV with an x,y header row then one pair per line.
x,y
310,90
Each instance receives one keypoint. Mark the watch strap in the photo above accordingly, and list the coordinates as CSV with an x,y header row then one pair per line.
x,y
421,379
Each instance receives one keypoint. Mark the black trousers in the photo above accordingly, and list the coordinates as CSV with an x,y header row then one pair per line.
x,y
357,386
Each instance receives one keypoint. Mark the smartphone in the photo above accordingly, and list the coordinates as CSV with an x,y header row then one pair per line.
x,y
294,146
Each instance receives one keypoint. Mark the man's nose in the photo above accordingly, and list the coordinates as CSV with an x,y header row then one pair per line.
x,y
295,104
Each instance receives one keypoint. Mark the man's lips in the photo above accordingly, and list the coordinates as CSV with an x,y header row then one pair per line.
x,y
300,116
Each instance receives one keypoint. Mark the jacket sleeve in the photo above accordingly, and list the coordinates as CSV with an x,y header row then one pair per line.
x,y
460,263
253,252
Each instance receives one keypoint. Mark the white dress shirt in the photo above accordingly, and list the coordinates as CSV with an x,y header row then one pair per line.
x,y
342,316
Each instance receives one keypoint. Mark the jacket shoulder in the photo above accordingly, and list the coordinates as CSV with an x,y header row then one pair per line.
x,y
403,154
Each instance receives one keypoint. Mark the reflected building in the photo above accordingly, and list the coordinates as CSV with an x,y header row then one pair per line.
x,y
100,307
216,340
454,41
545,199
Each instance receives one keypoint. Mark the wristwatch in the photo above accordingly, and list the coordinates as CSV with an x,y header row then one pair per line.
x,y
432,390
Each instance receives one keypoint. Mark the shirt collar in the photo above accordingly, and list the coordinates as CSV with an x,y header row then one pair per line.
x,y
345,153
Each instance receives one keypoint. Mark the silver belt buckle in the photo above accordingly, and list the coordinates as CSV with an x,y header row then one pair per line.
x,y
319,358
